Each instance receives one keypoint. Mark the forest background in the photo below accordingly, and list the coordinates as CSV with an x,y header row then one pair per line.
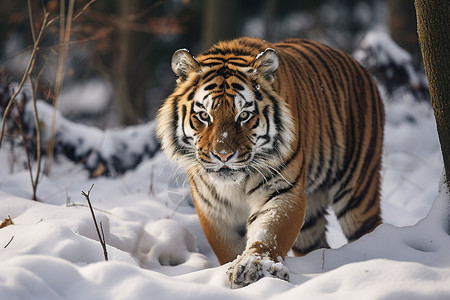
x,y
119,52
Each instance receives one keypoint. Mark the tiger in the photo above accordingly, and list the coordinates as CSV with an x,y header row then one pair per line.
x,y
271,135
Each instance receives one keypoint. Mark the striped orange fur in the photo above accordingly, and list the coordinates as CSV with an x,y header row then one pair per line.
x,y
271,135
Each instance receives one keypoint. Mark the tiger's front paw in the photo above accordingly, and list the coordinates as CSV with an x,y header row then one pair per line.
x,y
252,266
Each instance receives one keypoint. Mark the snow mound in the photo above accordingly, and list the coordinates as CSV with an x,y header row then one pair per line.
x,y
392,67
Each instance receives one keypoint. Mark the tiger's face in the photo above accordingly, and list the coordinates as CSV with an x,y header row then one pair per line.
x,y
224,118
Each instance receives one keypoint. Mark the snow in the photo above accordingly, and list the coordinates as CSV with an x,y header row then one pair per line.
x,y
93,146
157,249
91,97
378,49
387,50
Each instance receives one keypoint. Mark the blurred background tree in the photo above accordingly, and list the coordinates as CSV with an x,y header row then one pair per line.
x,y
118,68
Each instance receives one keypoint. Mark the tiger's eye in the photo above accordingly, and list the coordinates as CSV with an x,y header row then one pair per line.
x,y
204,116
244,115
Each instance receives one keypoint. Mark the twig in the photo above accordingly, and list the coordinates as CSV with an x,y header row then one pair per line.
x,y
9,242
68,204
18,120
323,258
151,192
82,10
35,181
30,16
101,236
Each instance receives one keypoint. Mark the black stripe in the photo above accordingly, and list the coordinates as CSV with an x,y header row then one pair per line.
x,y
265,137
214,193
190,119
315,245
374,128
287,59
212,64
224,60
326,65
237,86
343,191
175,118
258,95
279,192
201,197
199,104
368,225
210,86
276,114
375,199
192,94
240,75
208,76
356,200
317,166
354,158
254,216
312,219
238,64
251,141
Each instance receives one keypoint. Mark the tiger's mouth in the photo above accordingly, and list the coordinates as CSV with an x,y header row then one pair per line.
x,y
225,174
225,171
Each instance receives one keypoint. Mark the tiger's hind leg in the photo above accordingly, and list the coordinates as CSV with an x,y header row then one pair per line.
x,y
312,236
358,209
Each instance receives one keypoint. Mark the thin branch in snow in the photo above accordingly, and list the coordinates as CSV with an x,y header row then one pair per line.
x,y
9,242
323,258
101,236
151,192
18,120
69,204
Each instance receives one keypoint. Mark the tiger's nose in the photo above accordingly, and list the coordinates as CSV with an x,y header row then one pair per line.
x,y
223,155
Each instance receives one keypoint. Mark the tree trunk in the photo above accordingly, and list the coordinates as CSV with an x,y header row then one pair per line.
x,y
269,19
433,27
129,73
220,21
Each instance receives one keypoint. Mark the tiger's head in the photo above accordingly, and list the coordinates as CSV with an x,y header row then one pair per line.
x,y
224,118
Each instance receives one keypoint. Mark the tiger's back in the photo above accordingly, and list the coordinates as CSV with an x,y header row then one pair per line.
x,y
343,116
311,137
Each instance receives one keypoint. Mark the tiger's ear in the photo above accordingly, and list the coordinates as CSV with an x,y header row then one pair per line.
x,y
184,63
266,63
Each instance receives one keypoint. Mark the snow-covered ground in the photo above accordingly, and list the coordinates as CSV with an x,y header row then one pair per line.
x,y
157,249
